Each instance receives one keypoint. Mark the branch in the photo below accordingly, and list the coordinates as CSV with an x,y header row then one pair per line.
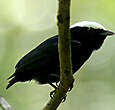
x,y
4,104
64,48
64,45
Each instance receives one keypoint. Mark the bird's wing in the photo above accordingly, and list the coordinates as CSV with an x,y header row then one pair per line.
x,y
46,52
47,49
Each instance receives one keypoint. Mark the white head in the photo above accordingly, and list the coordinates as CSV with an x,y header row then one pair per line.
x,y
89,24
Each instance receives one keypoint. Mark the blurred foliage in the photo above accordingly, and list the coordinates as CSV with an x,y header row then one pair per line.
x,y
26,23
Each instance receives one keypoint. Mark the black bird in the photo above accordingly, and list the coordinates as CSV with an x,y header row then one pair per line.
x,y
42,63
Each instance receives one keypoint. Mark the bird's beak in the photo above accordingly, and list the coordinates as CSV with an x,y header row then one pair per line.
x,y
107,33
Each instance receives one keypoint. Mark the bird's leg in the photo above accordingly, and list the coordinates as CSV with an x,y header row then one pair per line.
x,y
57,83
55,87
52,92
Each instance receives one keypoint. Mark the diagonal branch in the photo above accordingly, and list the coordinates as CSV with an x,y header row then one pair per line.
x,y
64,48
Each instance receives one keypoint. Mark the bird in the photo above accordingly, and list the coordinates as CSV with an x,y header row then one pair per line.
x,y
42,63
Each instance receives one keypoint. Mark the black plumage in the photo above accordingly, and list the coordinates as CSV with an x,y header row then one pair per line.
x,y
42,63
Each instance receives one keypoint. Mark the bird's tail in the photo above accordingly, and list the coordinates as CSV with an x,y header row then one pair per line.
x,y
12,81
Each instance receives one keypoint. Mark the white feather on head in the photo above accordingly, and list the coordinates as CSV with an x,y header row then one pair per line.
x,y
89,24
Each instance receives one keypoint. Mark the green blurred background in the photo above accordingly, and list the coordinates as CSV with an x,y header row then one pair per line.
x,y
26,23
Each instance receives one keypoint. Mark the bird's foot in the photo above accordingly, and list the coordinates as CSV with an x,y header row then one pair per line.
x,y
52,92
55,87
